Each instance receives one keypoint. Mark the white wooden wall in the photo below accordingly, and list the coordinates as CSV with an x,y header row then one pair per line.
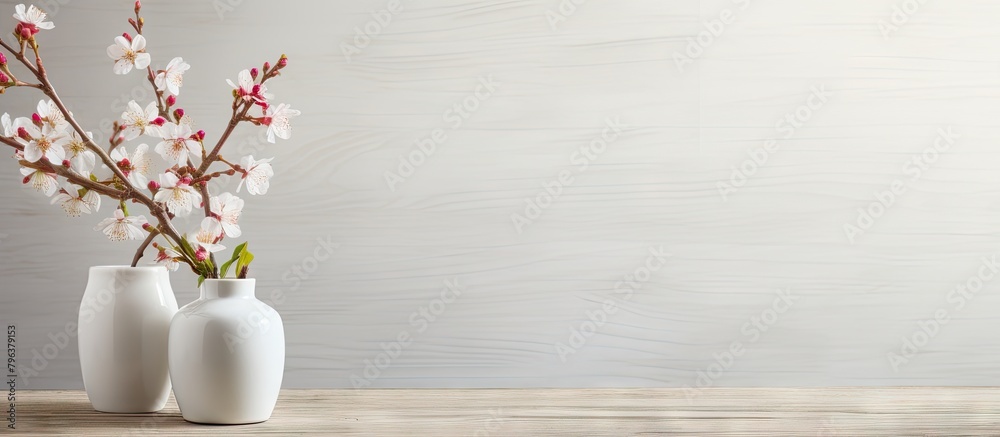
x,y
679,178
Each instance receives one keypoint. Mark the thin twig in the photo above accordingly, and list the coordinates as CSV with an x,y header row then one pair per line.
x,y
142,247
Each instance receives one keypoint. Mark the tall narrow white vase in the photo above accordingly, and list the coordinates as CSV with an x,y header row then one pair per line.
x,y
122,332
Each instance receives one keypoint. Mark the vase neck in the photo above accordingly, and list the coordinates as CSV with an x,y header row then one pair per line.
x,y
228,288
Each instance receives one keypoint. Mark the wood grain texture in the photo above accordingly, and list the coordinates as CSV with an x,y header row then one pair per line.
x,y
570,412
657,185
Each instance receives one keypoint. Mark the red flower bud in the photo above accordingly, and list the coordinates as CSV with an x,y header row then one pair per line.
x,y
26,179
146,226
23,134
3,59
256,89
138,5
153,185
201,254
159,121
254,72
186,180
37,119
178,113
171,100
201,135
65,163
127,36
4,78
267,66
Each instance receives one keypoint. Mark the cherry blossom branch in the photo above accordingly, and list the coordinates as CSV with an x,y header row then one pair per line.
x,y
12,143
240,111
137,23
199,252
142,247
131,191
19,55
66,173
233,122
159,94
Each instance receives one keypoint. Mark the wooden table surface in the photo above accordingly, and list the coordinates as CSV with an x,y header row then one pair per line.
x,y
574,412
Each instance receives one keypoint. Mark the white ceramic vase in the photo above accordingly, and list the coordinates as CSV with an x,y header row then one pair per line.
x,y
227,355
122,332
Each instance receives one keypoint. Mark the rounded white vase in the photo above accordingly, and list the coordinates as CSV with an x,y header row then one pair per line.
x,y
122,333
227,355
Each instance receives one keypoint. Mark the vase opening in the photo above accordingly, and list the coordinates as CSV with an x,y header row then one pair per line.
x,y
228,288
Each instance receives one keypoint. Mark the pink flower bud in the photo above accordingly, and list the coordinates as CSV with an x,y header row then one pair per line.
x,y
254,73
201,254
65,163
201,135
171,100
23,134
186,180
4,78
153,185
267,66
146,226
25,30
127,36
178,113
37,119
283,62
256,89
3,59
159,121
138,5
266,121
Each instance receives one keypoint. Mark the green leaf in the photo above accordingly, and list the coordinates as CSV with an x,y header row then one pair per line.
x,y
240,249
225,268
188,250
226,265
201,278
236,255
243,263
